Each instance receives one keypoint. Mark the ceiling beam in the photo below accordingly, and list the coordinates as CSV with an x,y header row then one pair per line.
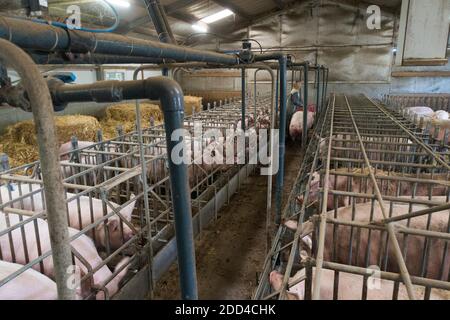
x,y
179,5
189,19
279,3
260,17
228,5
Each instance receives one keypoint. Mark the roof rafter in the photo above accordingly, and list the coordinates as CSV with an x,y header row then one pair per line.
x,y
229,5
179,5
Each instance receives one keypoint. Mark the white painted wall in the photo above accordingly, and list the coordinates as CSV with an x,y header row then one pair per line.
x,y
425,29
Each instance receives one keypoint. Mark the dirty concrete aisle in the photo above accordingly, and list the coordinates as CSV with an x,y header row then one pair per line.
x,y
231,252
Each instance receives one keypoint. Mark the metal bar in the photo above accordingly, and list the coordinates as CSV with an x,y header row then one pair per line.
x,y
282,151
305,102
323,215
42,108
145,190
392,237
318,90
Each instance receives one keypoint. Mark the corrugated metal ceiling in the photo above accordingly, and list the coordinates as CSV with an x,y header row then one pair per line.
x,y
183,13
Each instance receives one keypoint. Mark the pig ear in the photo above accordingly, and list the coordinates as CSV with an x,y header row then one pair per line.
x,y
113,224
308,241
291,224
128,210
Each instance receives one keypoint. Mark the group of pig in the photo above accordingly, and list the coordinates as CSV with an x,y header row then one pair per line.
x,y
427,112
157,169
424,256
24,239
439,118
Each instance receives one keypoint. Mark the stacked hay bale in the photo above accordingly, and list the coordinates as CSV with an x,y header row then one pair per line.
x,y
192,103
20,141
125,115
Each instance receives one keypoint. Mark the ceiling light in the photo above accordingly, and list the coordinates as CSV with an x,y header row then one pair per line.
x,y
200,27
217,16
120,3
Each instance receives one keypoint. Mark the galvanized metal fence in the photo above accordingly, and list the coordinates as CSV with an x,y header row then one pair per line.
x,y
114,241
368,217
434,101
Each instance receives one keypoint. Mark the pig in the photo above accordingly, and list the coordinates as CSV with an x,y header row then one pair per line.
x,y
67,148
29,285
296,125
413,258
441,115
444,125
350,287
14,252
304,247
387,188
79,213
422,112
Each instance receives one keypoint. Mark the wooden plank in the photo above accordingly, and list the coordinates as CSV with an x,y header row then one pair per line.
x,y
425,62
420,74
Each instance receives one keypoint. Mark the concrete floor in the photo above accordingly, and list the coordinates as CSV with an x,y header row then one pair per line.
x,y
230,253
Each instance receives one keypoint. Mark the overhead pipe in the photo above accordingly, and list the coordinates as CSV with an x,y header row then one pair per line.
x,y
45,58
282,60
159,20
42,108
161,25
172,103
42,37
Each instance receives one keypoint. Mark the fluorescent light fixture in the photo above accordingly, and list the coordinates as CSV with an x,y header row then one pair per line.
x,y
200,27
120,3
217,16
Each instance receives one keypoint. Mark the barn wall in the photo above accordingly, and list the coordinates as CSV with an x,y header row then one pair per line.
x,y
334,34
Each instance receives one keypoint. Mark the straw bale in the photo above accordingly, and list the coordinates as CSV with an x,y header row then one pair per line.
x,y
192,103
126,112
83,127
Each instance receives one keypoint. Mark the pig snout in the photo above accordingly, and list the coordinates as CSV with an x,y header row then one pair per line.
x,y
276,282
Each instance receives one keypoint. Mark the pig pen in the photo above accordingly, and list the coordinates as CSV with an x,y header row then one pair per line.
x,y
120,246
368,217
435,101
